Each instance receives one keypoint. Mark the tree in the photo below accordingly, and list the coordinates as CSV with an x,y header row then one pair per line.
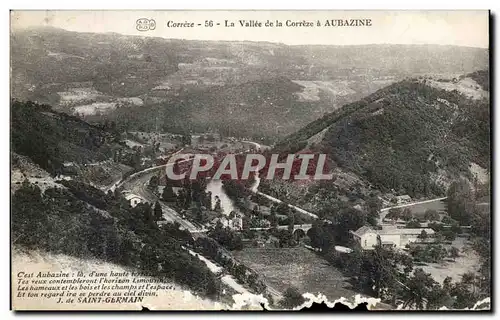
x,y
454,253
158,212
464,297
29,219
208,200
447,283
378,272
418,253
449,234
418,289
240,272
407,214
439,297
282,209
197,213
431,215
154,182
291,222
460,201
435,253
466,290
273,219
413,224
344,220
320,235
226,237
183,198
455,227
436,226
285,238
423,236
168,194
468,278
373,207
218,206
438,237
292,298
394,214
127,250
447,220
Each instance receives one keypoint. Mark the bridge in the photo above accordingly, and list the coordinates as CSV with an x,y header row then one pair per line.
x,y
299,230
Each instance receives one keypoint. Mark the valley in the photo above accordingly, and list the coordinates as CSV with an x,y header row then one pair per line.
x,y
95,119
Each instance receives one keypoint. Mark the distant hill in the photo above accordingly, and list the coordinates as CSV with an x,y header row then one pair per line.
x,y
238,87
51,139
260,108
411,137
403,59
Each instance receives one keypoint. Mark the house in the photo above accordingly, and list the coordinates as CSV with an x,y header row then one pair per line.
x,y
389,236
223,220
133,199
366,237
403,199
236,223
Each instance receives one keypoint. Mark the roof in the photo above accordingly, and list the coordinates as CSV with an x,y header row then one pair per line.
x,y
221,219
406,231
391,230
132,196
388,242
405,196
363,230
343,249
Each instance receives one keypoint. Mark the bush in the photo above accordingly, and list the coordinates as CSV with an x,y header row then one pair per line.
x,y
292,298
413,224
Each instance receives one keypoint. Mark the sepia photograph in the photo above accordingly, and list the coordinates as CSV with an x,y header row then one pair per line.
x,y
206,160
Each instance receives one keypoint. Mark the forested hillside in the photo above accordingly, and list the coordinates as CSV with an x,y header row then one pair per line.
x,y
409,137
62,214
51,138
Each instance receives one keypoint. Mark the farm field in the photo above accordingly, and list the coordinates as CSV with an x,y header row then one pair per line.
x,y
438,205
418,210
299,267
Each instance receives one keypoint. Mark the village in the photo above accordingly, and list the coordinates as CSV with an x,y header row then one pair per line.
x,y
260,231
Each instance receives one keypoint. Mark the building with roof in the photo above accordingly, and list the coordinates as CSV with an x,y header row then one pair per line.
x,y
223,220
389,236
133,199
233,222
403,199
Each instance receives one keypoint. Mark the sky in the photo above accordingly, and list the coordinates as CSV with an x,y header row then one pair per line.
x,y
463,28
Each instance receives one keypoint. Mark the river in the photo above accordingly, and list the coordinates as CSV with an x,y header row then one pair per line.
x,y
215,186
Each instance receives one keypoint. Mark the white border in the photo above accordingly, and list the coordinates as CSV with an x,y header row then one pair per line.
x,y
187,4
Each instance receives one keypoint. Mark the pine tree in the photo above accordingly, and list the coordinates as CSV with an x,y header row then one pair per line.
x,y
168,194
291,221
153,182
218,206
158,212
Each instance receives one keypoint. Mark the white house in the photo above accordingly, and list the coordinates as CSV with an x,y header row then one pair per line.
x,y
403,199
236,223
389,236
133,199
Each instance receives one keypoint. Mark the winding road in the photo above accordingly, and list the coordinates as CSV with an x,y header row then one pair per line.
x,y
137,183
